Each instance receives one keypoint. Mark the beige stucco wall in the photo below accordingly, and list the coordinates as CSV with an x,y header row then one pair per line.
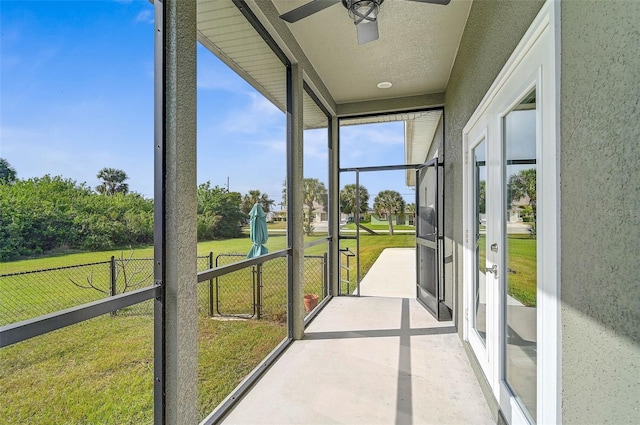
x,y
493,30
600,202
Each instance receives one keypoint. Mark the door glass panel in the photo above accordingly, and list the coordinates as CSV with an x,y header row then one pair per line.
x,y
520,278
480,230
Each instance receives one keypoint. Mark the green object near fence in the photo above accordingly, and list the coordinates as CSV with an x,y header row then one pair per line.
x,y
258,231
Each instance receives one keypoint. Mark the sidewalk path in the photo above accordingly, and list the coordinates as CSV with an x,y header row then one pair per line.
x,y
392,275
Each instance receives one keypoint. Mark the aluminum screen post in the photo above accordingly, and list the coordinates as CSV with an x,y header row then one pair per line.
x,y
295,201
335,274
175,213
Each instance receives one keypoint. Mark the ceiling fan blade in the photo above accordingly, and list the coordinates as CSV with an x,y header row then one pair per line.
x,y
442,2
367,31
307,10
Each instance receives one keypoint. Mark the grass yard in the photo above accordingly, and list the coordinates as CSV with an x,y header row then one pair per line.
x,y
376,227
370,248
521,265
101,370
241,245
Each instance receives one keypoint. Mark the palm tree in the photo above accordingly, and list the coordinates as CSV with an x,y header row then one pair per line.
x,y
389,202
411,209
348,199
313,191
112,181
523,184
256,197
7,172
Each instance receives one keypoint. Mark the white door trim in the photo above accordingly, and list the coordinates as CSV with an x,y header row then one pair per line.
x,y
542,42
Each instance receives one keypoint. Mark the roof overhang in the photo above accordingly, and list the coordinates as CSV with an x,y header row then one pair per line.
x,y
416,50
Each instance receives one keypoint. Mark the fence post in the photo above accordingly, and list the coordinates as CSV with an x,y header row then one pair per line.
x,y
348,276
114,289
325,275
210,285
113,279
259,292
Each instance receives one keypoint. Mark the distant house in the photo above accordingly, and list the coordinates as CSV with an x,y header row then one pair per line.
x,y
397,219
318,213
515,212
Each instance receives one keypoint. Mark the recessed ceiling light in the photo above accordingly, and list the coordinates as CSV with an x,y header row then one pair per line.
x,y
384,85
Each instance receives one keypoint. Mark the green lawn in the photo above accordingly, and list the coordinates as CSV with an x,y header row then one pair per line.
x,y
521,266
376,227
241,245
101,370
522,273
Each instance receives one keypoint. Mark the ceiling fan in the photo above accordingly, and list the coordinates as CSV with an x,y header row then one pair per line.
x,y
363,12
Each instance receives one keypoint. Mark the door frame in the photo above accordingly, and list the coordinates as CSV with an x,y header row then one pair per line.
x,y
357,171
434,303
541,41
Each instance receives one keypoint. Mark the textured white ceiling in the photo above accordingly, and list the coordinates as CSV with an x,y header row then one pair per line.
x,y
416,49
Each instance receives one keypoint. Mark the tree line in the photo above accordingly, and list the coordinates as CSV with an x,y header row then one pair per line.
x,y
44,214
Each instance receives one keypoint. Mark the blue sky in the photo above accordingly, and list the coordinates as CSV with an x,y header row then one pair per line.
x,y
76,95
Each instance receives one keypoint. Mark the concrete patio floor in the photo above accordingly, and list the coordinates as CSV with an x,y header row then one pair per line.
x,y
370,360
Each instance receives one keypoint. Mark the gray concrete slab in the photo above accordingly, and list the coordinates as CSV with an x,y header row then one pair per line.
x,y
392,275
369,360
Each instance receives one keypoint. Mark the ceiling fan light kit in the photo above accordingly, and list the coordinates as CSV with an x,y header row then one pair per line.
x,y
362,10
364,14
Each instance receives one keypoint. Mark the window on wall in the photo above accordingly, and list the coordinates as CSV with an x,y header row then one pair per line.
x,y
76,210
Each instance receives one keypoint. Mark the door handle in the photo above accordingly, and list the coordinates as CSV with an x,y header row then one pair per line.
x,y
493,269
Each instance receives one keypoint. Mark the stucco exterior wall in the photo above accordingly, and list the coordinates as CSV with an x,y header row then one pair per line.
x,y
600,204
493,30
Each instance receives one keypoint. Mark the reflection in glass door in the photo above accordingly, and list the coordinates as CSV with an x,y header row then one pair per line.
x,y
479,318
519,280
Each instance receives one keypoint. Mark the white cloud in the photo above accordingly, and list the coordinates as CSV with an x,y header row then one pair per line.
x,y
316,145
258,117
146,16
376,134
213,78
279,146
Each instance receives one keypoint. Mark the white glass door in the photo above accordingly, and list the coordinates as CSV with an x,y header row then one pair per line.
x,y
511,232
502,243
480,297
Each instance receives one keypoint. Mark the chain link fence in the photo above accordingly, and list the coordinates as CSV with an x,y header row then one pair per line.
x,y
29,294
259,291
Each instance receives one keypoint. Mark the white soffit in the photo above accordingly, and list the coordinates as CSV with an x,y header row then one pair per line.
x,y
225,32
419,134
313,115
